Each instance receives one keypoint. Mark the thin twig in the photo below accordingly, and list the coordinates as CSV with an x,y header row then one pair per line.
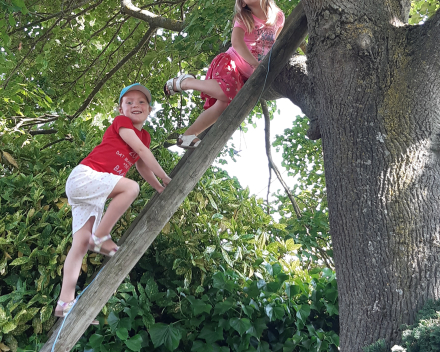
x,y
67,138
269,157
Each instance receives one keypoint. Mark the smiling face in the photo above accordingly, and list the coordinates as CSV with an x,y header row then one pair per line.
x,y
135,105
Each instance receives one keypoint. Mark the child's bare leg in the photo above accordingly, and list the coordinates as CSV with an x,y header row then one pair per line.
x,y
124,193
72,265
207,118
208,86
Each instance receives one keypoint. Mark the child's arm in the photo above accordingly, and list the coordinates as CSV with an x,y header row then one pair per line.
x,y
149,176
237,40
147,157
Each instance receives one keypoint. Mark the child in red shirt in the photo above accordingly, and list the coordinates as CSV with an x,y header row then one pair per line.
x,y
101,176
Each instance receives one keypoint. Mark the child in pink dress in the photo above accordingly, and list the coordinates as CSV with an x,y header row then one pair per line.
x,y
257,25
100,176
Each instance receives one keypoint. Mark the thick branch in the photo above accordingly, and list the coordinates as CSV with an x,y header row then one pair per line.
x,y
121,63
149,17
269,157
294,83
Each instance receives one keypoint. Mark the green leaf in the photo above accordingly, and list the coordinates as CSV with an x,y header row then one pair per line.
x,y
331,309
198,306
134,343
167,335
8,327
113,321
240,325
95,341
45,313
122,333
125,323
211,200
222,307
211,335
302,312
19,261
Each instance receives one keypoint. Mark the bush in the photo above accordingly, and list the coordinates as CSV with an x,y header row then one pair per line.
x,y
378,346
424,335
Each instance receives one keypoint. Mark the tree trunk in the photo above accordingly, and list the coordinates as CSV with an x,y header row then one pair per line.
x,y
376,97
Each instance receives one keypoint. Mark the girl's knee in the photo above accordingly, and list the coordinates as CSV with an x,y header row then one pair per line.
x,y
133,188
221,105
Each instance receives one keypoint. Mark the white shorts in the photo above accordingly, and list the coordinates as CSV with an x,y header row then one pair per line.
x,y
87,191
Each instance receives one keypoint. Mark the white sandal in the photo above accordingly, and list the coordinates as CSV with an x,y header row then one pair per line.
x,y
187,142
98,241
169,86
67,306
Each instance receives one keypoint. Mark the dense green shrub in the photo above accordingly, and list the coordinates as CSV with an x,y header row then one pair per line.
x,y
424,335
279,313
378,346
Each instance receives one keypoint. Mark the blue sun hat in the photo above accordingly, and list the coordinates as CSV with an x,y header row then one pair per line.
x,y
135,86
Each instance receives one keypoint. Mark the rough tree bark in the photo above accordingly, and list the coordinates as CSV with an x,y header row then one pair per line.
x,y
371,86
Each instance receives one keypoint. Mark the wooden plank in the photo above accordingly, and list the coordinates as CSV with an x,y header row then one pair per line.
x,y
161,207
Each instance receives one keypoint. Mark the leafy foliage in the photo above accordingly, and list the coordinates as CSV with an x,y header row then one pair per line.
x,y
421,10
424,335
280,313
302,158
378,346
220,260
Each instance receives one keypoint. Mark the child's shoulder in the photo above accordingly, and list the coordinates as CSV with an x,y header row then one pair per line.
x,y
280,17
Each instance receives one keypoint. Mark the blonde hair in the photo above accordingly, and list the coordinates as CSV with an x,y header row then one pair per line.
x,y
244,14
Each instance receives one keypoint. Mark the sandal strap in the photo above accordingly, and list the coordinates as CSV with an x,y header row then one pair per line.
x,y
181,79
67,306
187,141
170,86
99,240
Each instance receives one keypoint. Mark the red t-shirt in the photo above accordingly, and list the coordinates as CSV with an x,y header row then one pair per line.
x,y
113,155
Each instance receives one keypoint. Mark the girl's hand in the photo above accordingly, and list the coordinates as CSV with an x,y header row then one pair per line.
x,y
160,189
166,180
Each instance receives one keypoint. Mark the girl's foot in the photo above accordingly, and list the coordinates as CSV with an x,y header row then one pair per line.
x,y
174,85
63,308
103,245
188,142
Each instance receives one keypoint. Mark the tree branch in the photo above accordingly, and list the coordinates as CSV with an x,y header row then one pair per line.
x,y
293,83
109,74
97,57
269,157
34,133
91,7
67,138
268,185
149,17
61,13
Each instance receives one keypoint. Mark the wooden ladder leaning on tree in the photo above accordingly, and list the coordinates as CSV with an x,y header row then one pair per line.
x,y
186,174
